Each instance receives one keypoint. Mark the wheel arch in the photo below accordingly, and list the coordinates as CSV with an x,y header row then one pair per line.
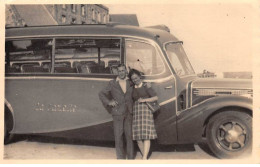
x,y
225,109
9,116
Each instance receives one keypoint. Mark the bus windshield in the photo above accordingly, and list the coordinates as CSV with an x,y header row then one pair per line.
x,y
179,59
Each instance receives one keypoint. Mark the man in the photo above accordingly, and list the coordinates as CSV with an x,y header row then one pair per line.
x,y
117,98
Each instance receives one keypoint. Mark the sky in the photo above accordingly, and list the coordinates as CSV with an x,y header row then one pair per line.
x,y
217,37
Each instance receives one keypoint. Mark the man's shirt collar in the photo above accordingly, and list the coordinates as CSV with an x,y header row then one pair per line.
x,y
118,79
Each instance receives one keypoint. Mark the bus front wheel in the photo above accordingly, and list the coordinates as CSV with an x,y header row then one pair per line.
x,y
229,134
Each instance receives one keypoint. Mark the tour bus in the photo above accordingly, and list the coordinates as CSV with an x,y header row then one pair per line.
x,y
53,75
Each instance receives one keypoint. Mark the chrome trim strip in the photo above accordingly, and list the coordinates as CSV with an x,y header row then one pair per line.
x,y
191,91
220,88
82,78
187,94
167,101
159,80
57,78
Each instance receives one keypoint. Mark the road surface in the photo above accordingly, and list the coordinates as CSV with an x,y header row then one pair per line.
x,y
35,147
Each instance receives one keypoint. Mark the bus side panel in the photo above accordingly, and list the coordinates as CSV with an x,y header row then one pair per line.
x,y
50,105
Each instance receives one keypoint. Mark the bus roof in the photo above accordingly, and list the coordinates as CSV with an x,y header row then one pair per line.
x,y
110,29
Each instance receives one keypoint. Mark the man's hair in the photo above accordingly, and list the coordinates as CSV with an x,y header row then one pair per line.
x,y
121,65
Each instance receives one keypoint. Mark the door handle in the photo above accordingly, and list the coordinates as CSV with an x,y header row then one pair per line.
x,y
168,87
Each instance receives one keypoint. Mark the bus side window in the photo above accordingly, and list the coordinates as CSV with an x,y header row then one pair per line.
x,y
28,56
87,56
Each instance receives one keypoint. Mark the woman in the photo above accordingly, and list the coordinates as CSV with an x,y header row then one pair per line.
x,y
143,122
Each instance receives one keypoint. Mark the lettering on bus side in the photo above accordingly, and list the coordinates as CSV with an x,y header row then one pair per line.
x,y
55,107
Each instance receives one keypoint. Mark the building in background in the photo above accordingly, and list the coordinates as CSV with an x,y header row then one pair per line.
x,y
12,17
207,74
238,75
33,15
242,75
129,19
79,13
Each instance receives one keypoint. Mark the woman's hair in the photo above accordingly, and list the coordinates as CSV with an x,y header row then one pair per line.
x,y
134,71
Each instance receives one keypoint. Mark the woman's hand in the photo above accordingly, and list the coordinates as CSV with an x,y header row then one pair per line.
x,y
151,99
141,100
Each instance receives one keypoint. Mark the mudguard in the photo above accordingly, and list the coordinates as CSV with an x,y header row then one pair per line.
x,y
190,122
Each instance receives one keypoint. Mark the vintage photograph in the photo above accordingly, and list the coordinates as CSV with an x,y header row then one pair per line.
x,y
128,81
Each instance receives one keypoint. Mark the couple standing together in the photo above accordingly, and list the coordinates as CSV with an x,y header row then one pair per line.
x,y
125,98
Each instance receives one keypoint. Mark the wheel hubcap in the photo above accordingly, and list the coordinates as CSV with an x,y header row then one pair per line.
x,y
232,136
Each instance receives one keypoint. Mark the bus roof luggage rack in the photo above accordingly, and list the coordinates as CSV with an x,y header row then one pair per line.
x,y
161,27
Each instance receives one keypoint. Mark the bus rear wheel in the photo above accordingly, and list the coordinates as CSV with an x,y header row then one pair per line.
x,y
7,136
229,134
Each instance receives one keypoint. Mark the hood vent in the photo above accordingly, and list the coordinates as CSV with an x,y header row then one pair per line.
x,y
222,92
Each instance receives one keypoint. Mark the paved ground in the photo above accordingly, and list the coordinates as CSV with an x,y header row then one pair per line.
x,y
53,148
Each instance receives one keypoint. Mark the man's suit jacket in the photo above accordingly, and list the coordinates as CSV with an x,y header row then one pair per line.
x,y
114,91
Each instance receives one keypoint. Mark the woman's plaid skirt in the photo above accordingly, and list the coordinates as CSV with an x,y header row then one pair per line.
x,y
143,122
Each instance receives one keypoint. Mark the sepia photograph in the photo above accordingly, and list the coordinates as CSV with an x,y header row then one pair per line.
x,y
112,81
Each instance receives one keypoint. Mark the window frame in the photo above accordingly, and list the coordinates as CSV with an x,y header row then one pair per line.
x,y
104,18
121,58
99,17
39,61
63,19
83,10
64,6
52,60
175,72
73,20
73,8
157,49
93,15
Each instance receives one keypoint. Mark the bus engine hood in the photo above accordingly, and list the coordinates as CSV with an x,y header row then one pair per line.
x,y
216,83
205,88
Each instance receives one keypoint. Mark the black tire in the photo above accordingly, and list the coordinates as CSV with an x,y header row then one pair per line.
x,y
7,136
229,134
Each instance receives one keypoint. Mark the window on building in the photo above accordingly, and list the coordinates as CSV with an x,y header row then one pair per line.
x,y
28,56
87,56
73,21
63,19
143,57
83,11
105,18
99,17
64,7
73,8
93,15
